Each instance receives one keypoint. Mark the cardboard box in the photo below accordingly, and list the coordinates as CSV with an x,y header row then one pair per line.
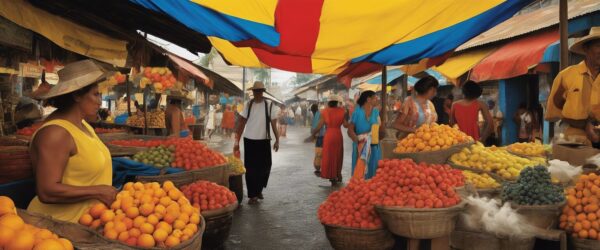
x,y
576,155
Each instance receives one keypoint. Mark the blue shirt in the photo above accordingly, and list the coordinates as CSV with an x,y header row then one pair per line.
x,y
315,123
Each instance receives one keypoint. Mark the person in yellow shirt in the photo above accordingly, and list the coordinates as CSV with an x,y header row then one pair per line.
x,y
575,94
73,168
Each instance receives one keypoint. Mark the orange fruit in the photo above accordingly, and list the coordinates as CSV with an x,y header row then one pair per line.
x,y
152,219
138,221
97,209
134,232
172,241
7,206
66,244
178,224
160,209
138,186
128,223
592,217
109,225
107,216
188,232
592,234
177,233
132,241
147,228
132,212
185,237
147,209
596,225
12,221
160,235
165,226
146,198
128,186
166,201
126,203
120,227
42,235
123,236
577,227
169,218
184,217
116,205
192,227
583,234
581,217
195,219
159,193
22,240
571,201
6,235
146,240
111,234
86,220
49,244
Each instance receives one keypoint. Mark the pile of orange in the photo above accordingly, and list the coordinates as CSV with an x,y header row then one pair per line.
x,y
146,215
432,138
16,234
581,215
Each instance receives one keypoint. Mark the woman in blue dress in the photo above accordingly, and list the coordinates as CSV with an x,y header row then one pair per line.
x,y
363,119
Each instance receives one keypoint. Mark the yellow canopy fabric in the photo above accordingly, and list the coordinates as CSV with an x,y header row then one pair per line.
x,y
458,65
64,33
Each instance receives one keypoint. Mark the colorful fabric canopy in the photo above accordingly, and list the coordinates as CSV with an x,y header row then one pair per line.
x,y
514,58
327,37
191,69
458,65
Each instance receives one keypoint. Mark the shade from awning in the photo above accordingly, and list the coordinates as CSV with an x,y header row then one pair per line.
x,y
64,33
327,37
458,65
191,69
514,58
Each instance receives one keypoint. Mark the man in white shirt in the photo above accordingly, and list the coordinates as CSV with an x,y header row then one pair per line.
x,y
257,120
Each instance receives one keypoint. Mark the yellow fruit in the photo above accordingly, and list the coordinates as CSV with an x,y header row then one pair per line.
x,y
107,216
111,234
152,219
97,209
146,240
138,186
147,228
168,186
49,244
160,209
86,220
43,234
120,227
22,240
195,219
178,224
146,209
12,221
138,221
134,232
192,227
165,226
66,243
7,206
132,212
160,235
123,236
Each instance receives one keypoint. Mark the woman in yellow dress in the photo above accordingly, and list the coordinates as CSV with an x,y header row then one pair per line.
x,y
73,168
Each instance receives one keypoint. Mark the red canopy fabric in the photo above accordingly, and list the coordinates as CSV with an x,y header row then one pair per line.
x,y
191,69
514,58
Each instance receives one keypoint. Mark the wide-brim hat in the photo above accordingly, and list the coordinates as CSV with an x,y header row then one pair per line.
x,y
577,47
335,98
258,86
77,75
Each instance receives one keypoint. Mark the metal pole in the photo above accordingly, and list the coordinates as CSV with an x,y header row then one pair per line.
x,y
383,94
564,34
244,84
146,110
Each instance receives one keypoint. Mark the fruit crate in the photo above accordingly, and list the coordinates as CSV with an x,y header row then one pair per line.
x,y
218,226
433,157
344,238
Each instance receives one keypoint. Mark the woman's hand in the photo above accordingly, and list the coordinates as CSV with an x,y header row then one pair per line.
x,y
106,194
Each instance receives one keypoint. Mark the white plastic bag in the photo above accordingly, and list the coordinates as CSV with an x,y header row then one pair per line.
x,y
563,171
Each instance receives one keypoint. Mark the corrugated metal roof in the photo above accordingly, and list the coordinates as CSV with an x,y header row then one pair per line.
x,y
530,22
312,84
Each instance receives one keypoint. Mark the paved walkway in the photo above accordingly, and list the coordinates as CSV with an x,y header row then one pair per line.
x,y
287,218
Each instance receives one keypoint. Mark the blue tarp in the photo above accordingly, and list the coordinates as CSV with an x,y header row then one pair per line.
x,y
396,73
125,169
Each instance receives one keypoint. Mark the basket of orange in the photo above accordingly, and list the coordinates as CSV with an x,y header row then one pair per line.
x,y
432,144
581,216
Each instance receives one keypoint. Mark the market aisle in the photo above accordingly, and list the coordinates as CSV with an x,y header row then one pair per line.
x,y
287,218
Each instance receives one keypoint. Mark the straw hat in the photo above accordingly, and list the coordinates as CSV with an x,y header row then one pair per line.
x,y
577,47
335,98
77,75
258,86
182,94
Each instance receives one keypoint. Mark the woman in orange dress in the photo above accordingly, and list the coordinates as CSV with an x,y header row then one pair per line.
x,y
228,122
333,117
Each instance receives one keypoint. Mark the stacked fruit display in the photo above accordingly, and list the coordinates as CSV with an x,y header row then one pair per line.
x,y
146,215
581,215
432,138
108,130
16,234
160,79
138,143
159,157
206,195
156,119
492,160
481,181
527,149
28,131
400,183
534,187
236,166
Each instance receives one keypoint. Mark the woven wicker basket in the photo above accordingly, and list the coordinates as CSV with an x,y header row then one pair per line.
x,y
217,230
581,244
343,238
433,157
84,238
542,216
415,223
217,174
466,240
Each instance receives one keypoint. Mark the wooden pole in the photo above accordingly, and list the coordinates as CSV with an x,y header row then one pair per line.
x,y
382,114
564,34
146,110
244,84
127,94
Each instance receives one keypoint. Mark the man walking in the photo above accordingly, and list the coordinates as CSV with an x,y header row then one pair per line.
x,y
257,119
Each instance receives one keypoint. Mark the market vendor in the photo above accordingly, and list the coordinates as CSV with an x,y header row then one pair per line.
x,y
73,168
575,95
174,115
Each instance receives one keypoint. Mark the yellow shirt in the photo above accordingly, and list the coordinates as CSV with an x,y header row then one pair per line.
x,y
582,94
92,165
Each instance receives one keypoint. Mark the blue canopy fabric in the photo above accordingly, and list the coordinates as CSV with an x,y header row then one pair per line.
x,y
125,169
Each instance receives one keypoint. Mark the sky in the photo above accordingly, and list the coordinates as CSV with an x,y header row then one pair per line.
x,y
277,75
